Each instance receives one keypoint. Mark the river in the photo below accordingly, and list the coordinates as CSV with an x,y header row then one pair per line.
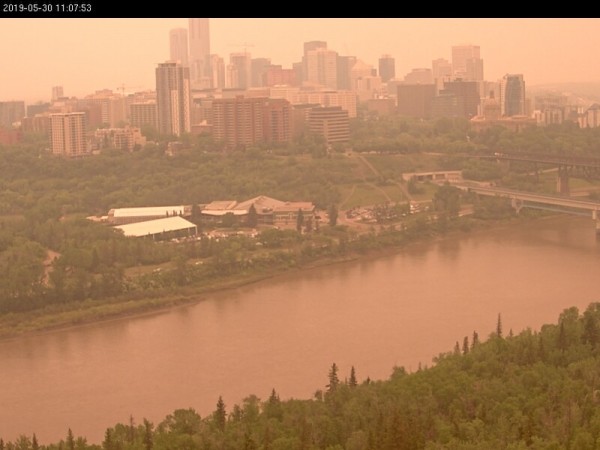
x,y
285,333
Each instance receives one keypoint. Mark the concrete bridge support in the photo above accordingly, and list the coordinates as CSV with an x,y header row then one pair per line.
x,y
596,217
562,182
517,204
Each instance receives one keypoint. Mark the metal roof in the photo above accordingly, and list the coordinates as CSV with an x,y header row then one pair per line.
x,y
157,226
148,211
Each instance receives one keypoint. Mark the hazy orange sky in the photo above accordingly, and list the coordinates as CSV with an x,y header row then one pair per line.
x,y
84,55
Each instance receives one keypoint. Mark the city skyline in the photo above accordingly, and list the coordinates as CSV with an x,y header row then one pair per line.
x,y
85,55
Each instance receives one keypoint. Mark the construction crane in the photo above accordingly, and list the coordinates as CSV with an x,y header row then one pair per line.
x,y
123,86
243,44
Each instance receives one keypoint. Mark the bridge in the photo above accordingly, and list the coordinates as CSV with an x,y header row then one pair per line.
x,y
556,203
567,165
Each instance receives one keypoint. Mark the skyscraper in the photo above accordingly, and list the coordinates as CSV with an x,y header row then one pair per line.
x,y
57,92
387,68
68,134
178,44
461,54
320,65
199,44
441,68
173,98
239,70
512,95
467,92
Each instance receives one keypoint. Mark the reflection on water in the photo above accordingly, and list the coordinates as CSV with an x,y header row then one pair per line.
x,y
284,333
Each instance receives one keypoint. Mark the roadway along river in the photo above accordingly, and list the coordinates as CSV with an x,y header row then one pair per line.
x,y
284,333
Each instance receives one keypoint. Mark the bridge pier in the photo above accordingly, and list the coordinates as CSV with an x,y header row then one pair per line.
x,y
517,204
596,217
562,182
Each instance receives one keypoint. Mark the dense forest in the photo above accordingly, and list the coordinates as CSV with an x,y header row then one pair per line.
x,y
53,259
532,390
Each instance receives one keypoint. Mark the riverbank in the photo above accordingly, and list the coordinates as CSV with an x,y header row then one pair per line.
x,y
71,315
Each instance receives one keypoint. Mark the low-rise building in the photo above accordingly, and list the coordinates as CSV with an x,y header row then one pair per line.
x,y
121,216
160,229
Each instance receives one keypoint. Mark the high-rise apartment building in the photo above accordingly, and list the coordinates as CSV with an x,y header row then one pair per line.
x,y
178,46
238,121
144,114
277,121
10,112
387,68
68,134
173,98
242,121
512,95
199,49
111,106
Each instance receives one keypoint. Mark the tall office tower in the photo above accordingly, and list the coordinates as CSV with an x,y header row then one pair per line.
x,y
321,67
258,66
460,55
474,70
441,70
344,69
199,45
419,76
387,68
239,70
173,98
512,95
467,92
415,100
178,44
57,92
68,134
217,69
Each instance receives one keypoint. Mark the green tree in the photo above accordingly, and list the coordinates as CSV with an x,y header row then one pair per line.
x,y
446,200
252,217
107,444
475,340
220,415
299,220
334,381
499,326
148,435
333,215
352,381
70,440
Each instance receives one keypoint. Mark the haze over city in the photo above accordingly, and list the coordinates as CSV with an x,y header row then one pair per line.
x,y
84,55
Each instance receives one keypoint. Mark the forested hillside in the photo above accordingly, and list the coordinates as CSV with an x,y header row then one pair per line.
x,y
539,389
